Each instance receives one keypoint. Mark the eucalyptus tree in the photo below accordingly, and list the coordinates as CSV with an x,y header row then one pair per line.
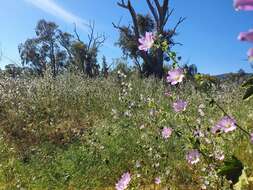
x,y
49,48
52,48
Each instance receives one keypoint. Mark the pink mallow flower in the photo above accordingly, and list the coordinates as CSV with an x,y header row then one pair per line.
x,y
175,76
166,133
157,180
146,42
193,156
246,36
250,54
123,182
226,124
251,138
216,129
179,106
246,5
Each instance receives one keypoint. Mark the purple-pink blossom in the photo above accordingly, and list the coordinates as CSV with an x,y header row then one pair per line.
x,y
216,129
147,41
251,138
246,5
157,180
123,182
179,106
246,36
226,124
193,156
250,54
175,76
166,133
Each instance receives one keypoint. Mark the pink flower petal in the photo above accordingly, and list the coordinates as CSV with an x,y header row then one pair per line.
x,y
246,5
193,156
166,133
251,138
146,42
246,36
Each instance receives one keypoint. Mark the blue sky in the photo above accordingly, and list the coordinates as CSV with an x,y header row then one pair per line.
x,y
209,35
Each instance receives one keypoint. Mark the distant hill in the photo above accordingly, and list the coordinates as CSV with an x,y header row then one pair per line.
x,y
229,75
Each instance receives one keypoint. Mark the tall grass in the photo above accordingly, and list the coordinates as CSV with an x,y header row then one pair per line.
x,y
74,133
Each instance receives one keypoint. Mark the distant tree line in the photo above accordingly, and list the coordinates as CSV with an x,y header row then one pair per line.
x,y
55,51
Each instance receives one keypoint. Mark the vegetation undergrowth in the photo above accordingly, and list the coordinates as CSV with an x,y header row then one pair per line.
x,y
71,133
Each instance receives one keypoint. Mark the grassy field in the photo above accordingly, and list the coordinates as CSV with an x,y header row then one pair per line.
x,y
75,133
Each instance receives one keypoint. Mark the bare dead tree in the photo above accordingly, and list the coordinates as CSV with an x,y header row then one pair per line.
x,y
95,41
161,14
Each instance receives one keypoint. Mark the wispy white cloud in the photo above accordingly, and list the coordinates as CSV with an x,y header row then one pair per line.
x,y
51,7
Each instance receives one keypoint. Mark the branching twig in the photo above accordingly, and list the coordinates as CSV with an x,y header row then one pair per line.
x,y
95,41
181,19
75,31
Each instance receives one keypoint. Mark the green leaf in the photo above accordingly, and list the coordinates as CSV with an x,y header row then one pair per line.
x,y
248,93
231,169
249,82
195,142
243,182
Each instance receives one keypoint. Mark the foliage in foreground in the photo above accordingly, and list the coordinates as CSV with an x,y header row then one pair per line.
x,y
71,133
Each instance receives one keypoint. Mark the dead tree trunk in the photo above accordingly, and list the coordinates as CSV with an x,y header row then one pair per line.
x,y
153,64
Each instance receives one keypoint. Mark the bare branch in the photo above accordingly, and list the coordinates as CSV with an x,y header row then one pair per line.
x,y
157,4
91,35
122,29
133,14
163,12
75,31
99,40
177,43
153,11
122,4
165,6
168,15
95,41
181,19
